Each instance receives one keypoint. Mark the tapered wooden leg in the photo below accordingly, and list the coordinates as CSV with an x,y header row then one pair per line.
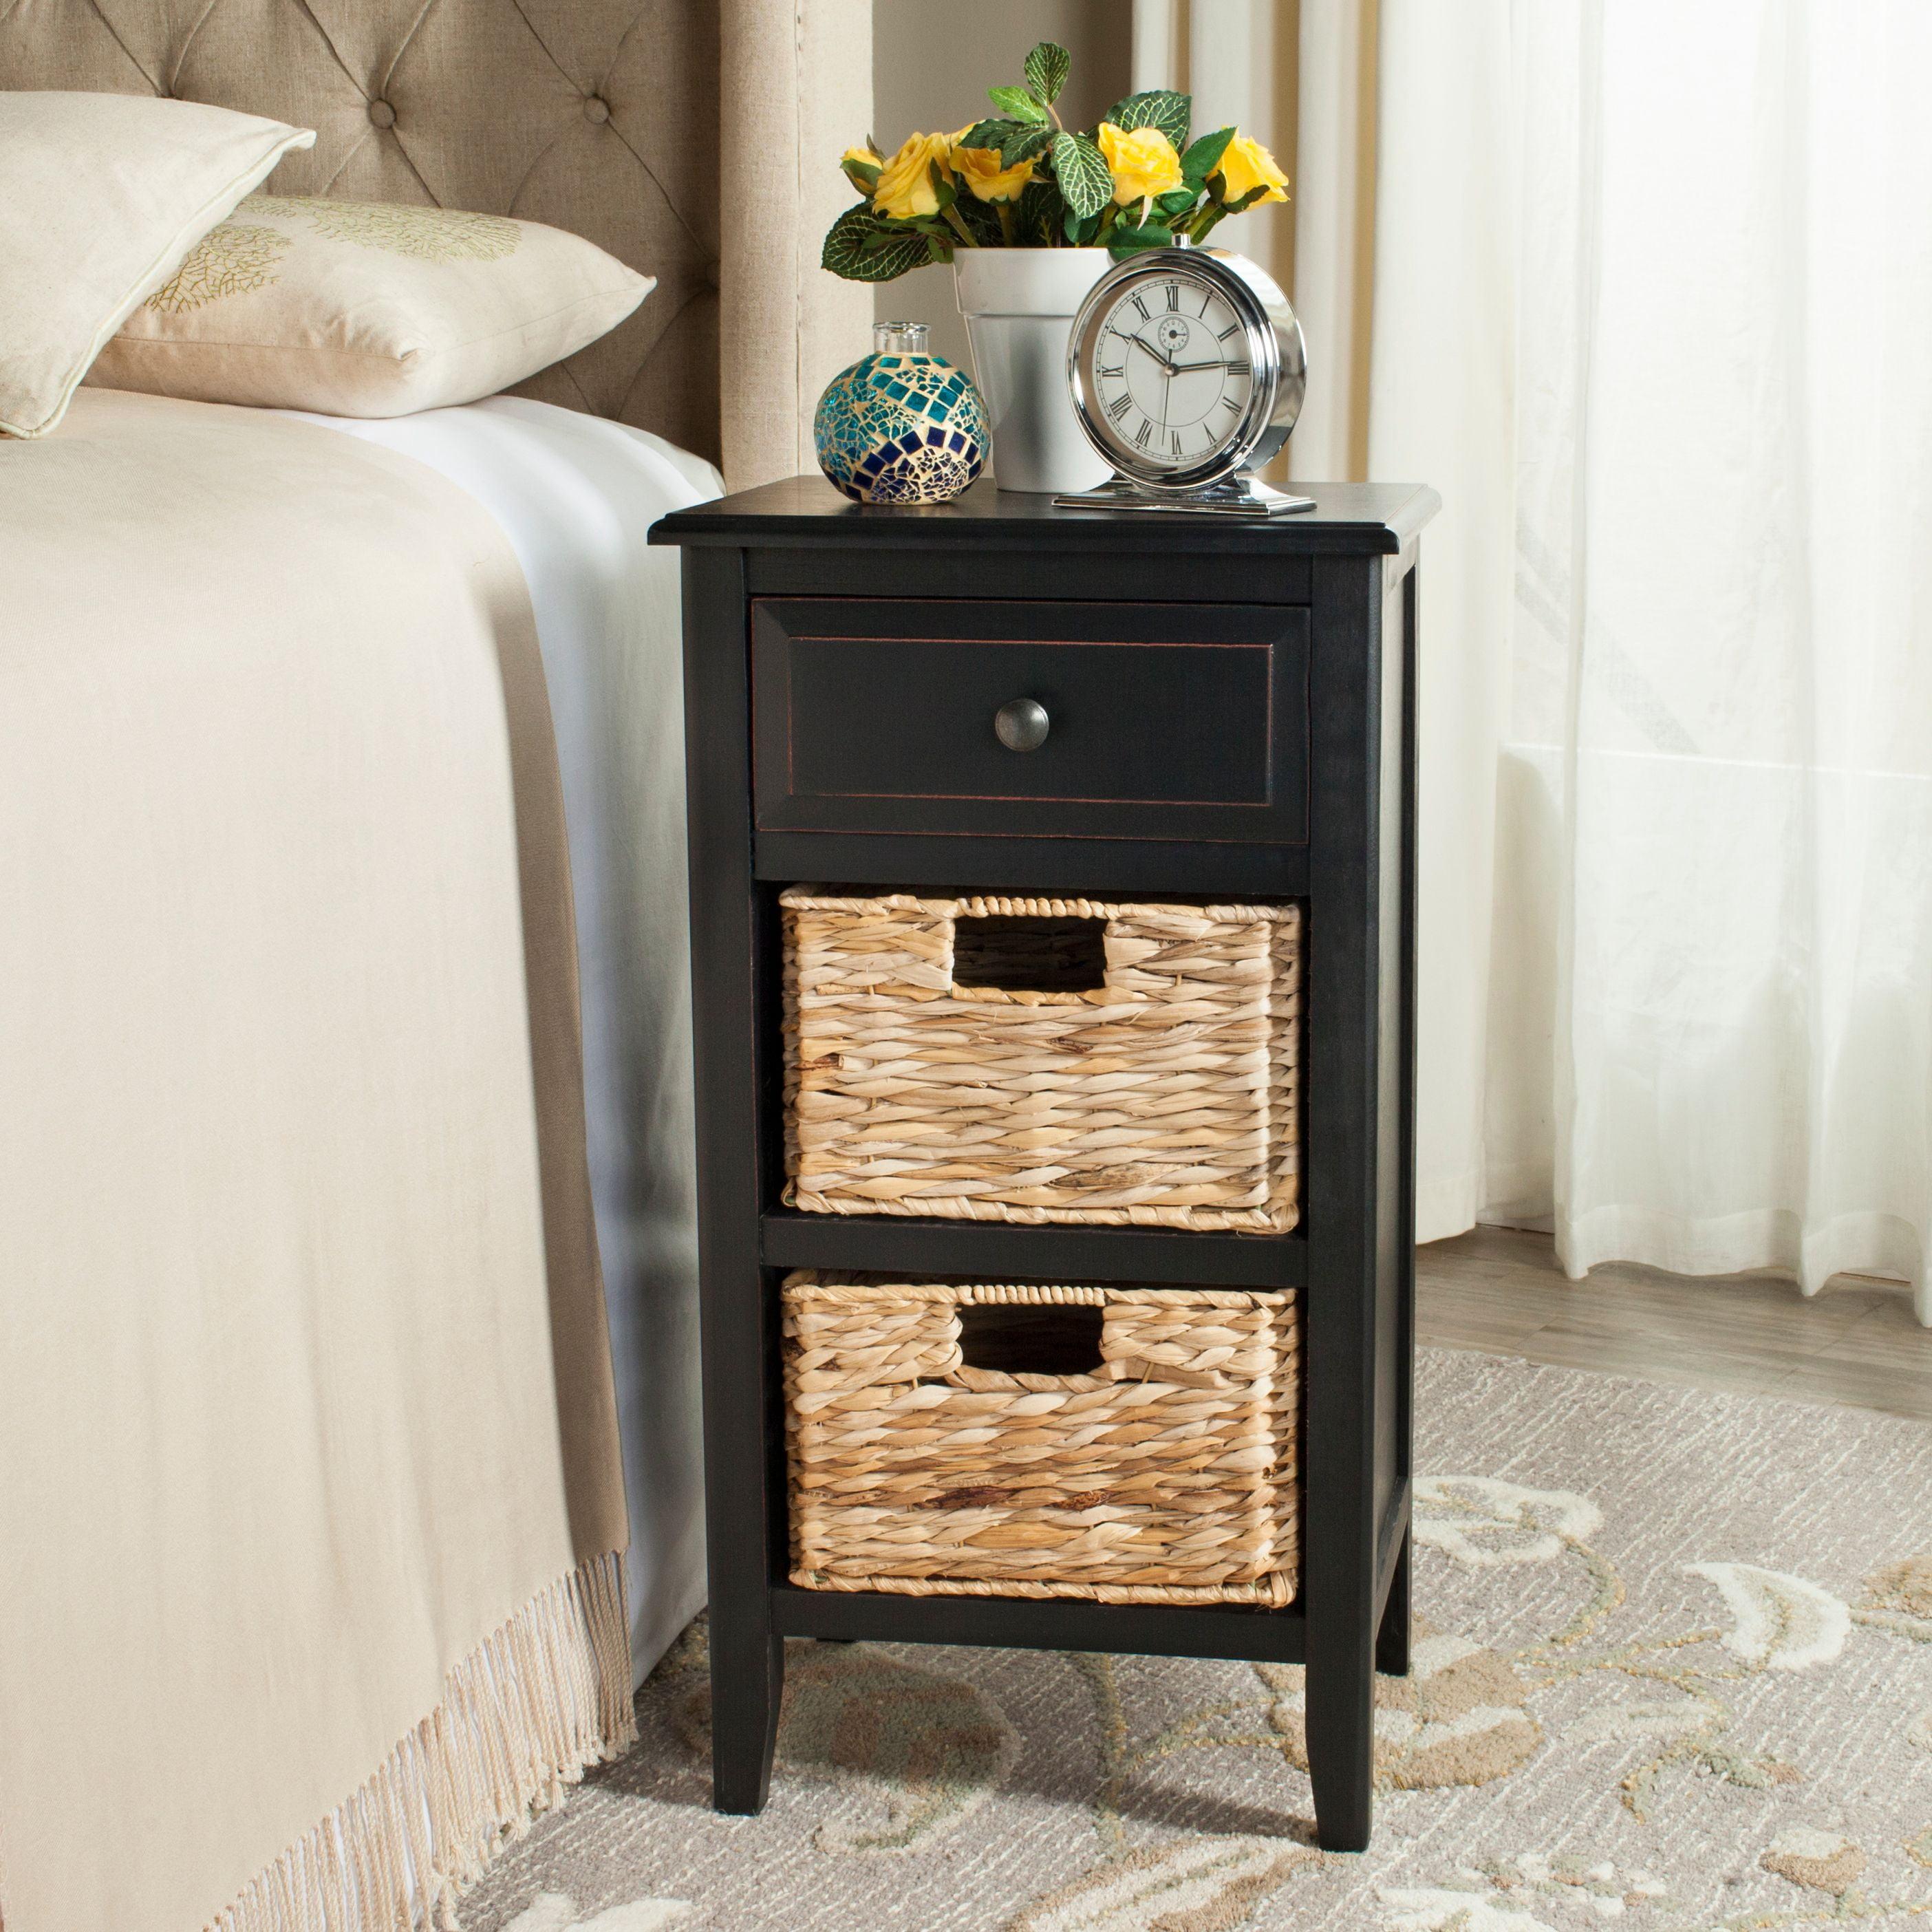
x,y
1341,1748
747,1688
733,947
1392,1639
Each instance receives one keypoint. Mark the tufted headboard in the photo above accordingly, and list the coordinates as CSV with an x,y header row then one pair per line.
x,y
599,116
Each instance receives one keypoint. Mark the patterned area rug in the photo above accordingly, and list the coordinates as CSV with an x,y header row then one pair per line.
x,y
1676,1674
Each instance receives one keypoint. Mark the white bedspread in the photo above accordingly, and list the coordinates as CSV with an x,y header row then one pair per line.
x,y
576,495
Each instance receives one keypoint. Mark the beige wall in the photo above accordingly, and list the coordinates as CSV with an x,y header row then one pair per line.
x,y
931,65
796,76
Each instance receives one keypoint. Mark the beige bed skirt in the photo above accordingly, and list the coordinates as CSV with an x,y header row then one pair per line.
x,y
309,1498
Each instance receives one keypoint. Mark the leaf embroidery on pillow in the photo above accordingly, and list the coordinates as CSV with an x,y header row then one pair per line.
x,y
228,260
399,228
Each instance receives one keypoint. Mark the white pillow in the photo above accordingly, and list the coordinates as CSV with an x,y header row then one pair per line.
x,y
101,196
367,308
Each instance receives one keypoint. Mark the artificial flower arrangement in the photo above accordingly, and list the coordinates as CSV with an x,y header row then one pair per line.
x,y
1021,179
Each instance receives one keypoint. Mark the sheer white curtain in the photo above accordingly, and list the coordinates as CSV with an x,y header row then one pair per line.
x,y
1654,288
1299,76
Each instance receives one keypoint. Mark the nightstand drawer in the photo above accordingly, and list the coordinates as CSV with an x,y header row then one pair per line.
x,y
1024,719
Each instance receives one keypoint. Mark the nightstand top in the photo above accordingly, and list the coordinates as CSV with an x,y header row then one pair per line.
x,y
1354,518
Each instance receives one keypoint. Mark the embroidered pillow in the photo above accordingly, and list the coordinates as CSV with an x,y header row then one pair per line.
x,y
363,308
101,196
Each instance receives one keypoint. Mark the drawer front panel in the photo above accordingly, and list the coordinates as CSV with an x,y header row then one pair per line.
x,y
1166,722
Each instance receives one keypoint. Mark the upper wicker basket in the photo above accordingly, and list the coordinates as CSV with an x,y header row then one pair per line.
x,y
1043,1060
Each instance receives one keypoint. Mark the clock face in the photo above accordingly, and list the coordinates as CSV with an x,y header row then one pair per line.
x,y
1169,380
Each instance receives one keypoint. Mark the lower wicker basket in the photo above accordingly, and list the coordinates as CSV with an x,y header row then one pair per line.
x,y
1147,1455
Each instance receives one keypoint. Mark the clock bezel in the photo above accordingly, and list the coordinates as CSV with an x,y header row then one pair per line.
x,y
1275,354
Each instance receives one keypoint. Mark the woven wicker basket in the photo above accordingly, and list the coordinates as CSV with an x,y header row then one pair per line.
x,y
1146,1072
1167,1474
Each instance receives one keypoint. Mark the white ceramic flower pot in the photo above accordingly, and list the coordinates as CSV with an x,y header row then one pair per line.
x,y
1019,305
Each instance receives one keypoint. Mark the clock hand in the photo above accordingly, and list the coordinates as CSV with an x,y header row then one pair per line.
x,y
1138,343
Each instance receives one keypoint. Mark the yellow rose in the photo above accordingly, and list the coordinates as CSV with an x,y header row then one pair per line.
x,y
1247,166
905,181
979,170
861,166
1142,163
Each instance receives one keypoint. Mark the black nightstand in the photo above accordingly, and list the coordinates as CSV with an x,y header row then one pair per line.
x,y
1230,710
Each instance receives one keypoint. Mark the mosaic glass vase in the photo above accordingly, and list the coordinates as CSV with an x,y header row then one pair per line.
x,y
901,426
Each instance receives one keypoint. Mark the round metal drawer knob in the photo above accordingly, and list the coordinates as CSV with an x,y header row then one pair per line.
x,y
1022,725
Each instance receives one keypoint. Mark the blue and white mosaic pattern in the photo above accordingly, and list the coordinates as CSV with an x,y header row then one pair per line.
x,y
897,428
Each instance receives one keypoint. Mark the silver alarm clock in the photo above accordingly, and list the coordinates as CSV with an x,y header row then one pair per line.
x,y
1187,370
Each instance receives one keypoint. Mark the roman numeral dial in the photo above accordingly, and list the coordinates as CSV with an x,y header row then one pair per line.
x,y
1167,374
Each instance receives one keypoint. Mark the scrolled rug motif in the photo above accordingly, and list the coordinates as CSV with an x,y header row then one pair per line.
x,y
1674,1673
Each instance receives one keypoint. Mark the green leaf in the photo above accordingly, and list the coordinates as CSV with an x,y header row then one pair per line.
x,y
1017,102
1204,156
992,133
1248,200
1159,107
942,184
1080,230
1080,169
1176,201
863,175
1027,140
1129,241
932,239
861,247
1046,68
1037,216
982,219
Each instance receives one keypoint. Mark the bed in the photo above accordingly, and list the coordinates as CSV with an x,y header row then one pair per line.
x,y
576,496
307,1372
463,619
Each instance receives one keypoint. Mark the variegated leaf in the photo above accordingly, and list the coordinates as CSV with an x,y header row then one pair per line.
x,y
1081,169
1016,102
1158,107
990,133
1023,143
1046,70
862,248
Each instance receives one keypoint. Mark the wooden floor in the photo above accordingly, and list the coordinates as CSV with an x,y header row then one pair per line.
x,y
1499,1290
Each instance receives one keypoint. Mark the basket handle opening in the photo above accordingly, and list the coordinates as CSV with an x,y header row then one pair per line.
x,y
1022,1338
1022,954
